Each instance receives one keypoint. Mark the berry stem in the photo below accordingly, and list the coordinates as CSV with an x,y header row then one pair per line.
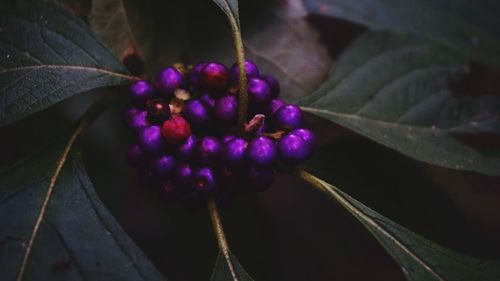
x,y
240,60
221,237
95,110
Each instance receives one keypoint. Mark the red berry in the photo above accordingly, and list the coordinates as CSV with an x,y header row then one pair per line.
x,y
176,129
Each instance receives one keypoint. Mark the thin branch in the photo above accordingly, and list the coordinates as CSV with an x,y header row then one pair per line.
x,y
89,116
221,237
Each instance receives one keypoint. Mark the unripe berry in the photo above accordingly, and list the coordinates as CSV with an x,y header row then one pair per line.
x,y
250,69
308,138
164,164
204,180
292,149
288,117
176,129
258,90
186,150
214,77
262,151
209,150
168,80
273,84
158,110
151,140
197,113
235,151
226,109
141,91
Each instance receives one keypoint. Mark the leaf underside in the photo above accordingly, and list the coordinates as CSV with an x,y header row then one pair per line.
x,y
221,270
78,239
420,259
394,89
47,55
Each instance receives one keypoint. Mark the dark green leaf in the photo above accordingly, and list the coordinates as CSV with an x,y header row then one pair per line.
x,y
222,273
420,259
124,25
47,55
394,89
469,27
78,239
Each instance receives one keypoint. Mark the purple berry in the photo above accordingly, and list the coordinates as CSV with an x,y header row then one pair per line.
x,y
135,155
164,164
258,90
262,151
158,110
250,69
208,100
204,180
293,149
274,106
289,117
228,138
168,80
137,119
214,77
195,74
197,114
235,151
274,86
141,91
259,178
183,175
226,109
186,150
308,138
151,140
209,150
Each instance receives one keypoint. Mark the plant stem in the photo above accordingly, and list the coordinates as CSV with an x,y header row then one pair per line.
x,y
221,237
95,110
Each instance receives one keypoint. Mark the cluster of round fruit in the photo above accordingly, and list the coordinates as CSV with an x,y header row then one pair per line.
x,y
189,144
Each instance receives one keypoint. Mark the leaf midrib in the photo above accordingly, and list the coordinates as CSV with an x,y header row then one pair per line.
x,y
71,67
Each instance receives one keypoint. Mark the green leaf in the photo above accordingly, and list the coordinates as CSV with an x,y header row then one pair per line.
x,y
222,272
78,239
394,89
47,55
471,28
124,25
420,259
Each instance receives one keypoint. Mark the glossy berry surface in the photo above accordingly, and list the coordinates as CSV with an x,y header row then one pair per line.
x,y
262,151
289,117
189,146
168,80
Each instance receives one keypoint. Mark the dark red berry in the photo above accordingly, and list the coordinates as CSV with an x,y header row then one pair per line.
x,y
262,151
288,117
176,129
158,110
168,80
214,77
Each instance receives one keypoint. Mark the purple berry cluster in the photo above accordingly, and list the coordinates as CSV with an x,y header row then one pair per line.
x,y
189,145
